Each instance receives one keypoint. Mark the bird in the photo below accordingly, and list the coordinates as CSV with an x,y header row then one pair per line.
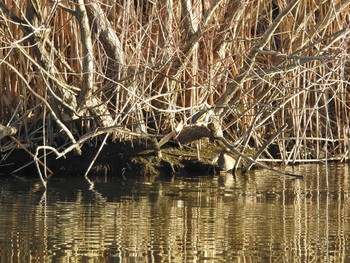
x,y
226,161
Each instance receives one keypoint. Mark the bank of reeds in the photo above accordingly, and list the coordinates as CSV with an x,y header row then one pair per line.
x,y
275,74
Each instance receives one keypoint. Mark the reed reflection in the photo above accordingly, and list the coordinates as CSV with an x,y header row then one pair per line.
x,y
255,217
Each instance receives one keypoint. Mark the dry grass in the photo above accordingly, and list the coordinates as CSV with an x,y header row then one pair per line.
x,y
156,63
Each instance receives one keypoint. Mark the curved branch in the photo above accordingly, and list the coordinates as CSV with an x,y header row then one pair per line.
x,y
66,130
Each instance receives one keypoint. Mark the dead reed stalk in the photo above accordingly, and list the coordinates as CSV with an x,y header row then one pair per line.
x,y
144,67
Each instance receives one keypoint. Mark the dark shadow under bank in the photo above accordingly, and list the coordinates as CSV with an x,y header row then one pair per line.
x,y
122,159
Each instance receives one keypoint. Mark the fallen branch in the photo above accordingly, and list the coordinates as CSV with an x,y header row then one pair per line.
x,y
35,157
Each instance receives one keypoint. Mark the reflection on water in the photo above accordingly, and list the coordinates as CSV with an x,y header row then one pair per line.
x,y
259,217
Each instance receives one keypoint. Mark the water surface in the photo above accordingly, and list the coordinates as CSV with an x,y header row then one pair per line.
x,y
258,217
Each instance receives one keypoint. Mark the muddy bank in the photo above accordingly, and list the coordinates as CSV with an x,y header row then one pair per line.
x,y
138,158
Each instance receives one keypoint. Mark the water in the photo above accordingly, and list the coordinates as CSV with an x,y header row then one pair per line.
x,y
259,217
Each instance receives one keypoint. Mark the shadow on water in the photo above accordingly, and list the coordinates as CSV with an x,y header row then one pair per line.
x,y
258,217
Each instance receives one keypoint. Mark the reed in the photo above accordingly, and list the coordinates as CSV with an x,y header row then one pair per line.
x,y
140,68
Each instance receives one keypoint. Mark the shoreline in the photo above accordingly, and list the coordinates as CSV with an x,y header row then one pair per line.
x,y
120,159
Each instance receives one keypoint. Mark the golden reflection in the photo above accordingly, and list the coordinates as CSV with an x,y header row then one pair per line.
x,y
257,217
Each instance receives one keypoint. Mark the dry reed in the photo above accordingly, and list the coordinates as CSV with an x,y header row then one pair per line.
x,y
140,68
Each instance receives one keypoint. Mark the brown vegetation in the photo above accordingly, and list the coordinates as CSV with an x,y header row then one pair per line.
x,y
270,75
